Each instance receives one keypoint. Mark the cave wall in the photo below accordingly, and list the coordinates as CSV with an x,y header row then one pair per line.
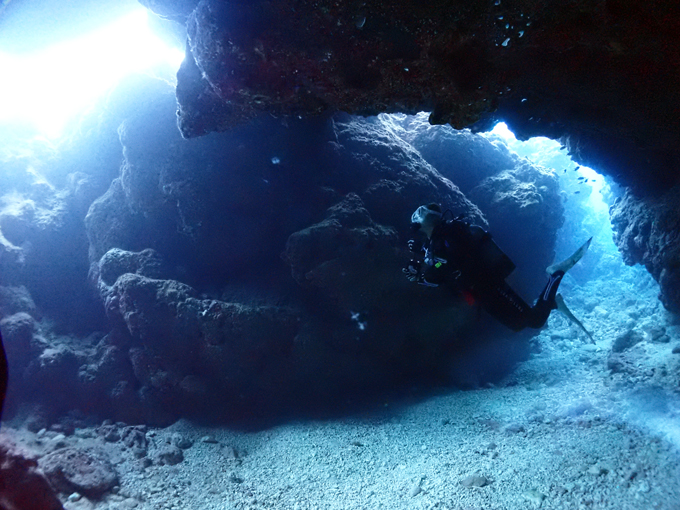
x,y
256,270
647,232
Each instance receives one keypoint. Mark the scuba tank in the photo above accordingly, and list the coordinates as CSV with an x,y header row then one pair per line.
x,y
489,258
493,258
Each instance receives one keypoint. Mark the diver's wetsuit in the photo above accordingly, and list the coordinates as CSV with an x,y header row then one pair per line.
x,y
464,258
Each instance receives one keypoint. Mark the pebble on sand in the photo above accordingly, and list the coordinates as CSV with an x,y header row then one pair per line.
x,y
534,496
475,481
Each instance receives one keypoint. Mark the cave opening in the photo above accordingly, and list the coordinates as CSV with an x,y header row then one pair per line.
x,y
51,78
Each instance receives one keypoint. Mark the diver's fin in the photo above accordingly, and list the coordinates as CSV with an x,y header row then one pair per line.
x,y
562,307
567,264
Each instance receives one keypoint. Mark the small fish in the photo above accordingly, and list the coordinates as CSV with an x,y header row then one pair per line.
x,y
576,192
581,178
565,170
586,180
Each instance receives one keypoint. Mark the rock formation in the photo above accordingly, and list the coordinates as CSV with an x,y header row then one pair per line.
x,y
597,74
647,231
22,484
259,269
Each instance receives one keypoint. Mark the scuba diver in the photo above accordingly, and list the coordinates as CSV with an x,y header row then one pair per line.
x,y
464,258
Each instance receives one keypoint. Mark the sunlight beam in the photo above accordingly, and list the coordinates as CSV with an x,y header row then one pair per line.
x,y
48,89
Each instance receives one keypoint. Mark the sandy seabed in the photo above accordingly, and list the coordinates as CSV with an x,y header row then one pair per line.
x,y
563,431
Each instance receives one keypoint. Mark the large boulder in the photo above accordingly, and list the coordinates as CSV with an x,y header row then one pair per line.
x,y
195,354
22,484
86,471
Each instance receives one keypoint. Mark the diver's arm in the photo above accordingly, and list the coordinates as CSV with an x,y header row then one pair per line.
x,y
414,268
434,275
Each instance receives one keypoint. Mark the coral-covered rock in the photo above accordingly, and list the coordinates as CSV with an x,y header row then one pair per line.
x,y
647,231
22,484
86,471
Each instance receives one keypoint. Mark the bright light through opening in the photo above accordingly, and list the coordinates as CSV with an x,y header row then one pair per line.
x,y
48,89
574,173
501,129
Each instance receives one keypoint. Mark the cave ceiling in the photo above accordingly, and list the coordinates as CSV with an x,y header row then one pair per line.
x,y
601,76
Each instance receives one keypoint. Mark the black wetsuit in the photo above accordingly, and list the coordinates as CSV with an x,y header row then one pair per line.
x,y
464,258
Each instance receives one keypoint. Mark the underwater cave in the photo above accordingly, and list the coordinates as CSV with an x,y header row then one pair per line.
x,y
212,288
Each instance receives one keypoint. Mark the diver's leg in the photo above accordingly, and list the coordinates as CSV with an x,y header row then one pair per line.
x,y
504,304
568,263
546,302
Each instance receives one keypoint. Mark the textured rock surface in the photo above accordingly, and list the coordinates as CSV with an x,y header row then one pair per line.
x,y
460,155
584,71
22,485
17,333
189,354
86,471
647,231
14,300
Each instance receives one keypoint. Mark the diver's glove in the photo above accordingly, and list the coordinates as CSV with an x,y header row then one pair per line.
x,y
412,271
